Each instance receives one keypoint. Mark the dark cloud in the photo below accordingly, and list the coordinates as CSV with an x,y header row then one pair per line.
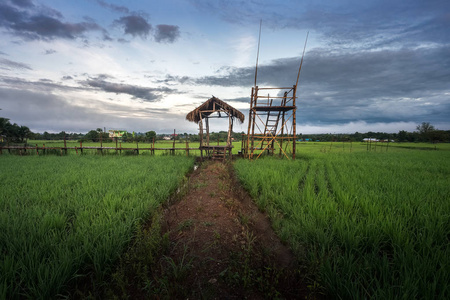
x,y
23,3
363,24
113,7
170,79
47,27
43,23
49,51
166,33
9,64
42,85
134,25
9,15
67,77
375,86
143,93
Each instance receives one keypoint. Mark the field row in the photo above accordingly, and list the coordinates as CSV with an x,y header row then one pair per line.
x,y
369,224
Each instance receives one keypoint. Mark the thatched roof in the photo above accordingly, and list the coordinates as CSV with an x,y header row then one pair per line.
x,y
211,106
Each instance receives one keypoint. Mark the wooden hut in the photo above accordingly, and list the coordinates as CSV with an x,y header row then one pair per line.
x,y
214,108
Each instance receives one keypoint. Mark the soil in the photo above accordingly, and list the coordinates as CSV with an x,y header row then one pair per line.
x,y
223,247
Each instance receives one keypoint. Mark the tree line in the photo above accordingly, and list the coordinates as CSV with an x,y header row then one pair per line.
x,y
426,133
14,133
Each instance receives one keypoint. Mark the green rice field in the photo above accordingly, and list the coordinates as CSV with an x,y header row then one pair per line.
x,y
62,218
369,224
367,221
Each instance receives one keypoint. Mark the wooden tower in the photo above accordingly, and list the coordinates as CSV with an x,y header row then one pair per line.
x,y
272,119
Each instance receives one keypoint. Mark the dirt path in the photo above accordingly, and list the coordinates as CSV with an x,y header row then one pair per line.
x,y
222,246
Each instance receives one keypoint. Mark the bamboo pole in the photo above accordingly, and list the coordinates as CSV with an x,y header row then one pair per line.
x,y
187,147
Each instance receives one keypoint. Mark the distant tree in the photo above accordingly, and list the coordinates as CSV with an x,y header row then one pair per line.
x,y
3,124
92,135
402,136
426,132
149,135
436,136
23,133
425,127
12,132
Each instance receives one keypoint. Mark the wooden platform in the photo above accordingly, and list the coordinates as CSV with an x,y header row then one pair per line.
x,y
217,152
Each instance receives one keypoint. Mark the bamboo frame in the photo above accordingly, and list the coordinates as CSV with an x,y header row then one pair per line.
x,y
270,117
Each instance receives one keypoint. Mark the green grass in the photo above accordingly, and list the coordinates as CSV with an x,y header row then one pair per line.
x,y
369,224
62,218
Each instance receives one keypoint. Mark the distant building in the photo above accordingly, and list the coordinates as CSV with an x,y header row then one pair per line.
x,y
370,140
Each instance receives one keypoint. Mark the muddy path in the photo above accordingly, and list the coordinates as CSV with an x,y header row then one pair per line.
x,y
226,244
209,242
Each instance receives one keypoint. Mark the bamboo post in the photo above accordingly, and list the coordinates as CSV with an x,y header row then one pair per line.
x,y
249,123
120,150
116,144
255,99
230,129
173,146
65,143
294,126
81,147
207,131
242,145
37,150
187,147
153,146
43,148
137,147
200,124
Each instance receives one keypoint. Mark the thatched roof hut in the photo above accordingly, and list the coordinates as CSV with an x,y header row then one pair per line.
x,y
201,116
213,105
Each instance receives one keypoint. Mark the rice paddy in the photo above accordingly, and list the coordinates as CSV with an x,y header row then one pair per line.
x,y
62,218
369,224
366,224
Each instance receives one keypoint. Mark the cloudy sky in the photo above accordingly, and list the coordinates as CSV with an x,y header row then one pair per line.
x,y
143,65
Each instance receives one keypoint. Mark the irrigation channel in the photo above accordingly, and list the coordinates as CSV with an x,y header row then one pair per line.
x,y
216,245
